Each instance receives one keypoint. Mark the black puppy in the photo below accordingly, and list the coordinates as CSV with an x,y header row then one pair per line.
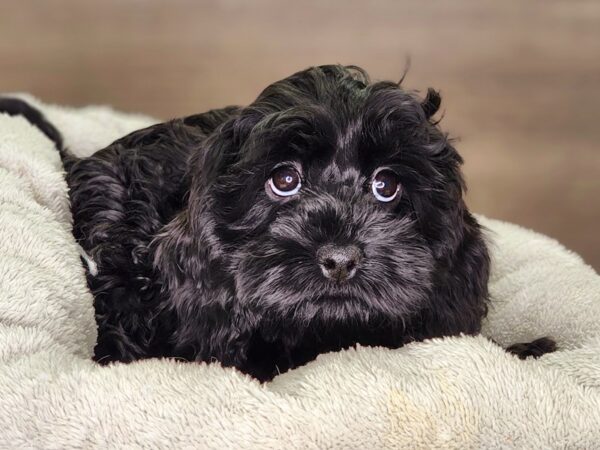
x,y
327,213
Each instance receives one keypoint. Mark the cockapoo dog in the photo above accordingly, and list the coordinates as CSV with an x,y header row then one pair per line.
x,y
327,213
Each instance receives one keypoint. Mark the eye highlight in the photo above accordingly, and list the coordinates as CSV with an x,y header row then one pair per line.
x,y
285,181
385,185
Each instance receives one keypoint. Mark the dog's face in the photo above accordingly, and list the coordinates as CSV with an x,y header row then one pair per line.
x,y
333,200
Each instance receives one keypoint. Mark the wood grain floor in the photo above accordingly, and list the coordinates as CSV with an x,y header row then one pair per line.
x,y
520,80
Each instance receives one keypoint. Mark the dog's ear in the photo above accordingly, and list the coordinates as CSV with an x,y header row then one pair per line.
x,y
431,103
459,300
207,322
218,152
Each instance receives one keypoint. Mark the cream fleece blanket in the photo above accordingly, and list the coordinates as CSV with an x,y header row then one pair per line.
x,y
463,392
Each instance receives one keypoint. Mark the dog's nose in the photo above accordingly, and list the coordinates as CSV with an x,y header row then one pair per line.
x,y
339,263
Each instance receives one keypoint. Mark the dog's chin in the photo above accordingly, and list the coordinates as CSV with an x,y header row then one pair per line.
x,y
334,298
335,309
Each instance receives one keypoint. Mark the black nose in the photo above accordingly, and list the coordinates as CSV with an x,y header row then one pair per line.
x,y
339,263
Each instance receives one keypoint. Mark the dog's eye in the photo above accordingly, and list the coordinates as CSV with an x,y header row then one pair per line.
x,y
385,185
285,181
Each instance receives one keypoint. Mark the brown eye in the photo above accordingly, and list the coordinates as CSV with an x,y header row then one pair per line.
x,y
285,181
385,185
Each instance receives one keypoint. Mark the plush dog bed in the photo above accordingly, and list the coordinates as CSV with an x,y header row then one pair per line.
x,y
461,392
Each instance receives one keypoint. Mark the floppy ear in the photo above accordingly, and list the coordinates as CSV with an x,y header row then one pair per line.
x,y
431,103
219,152
216,153
459,299
205,320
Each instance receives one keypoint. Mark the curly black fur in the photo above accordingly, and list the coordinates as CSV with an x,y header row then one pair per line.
x,y
198,261
535,349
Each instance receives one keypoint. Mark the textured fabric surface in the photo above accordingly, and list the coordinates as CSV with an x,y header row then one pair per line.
x,y
462,392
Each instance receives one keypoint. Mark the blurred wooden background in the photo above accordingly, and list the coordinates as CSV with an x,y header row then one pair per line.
x,y
520,79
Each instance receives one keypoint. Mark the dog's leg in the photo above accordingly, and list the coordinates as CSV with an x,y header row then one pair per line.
x,y
535,348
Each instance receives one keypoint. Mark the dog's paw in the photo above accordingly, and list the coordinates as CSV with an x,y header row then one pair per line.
x,y
535,348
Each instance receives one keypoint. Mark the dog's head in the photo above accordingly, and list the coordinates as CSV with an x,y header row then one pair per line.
x,y
331,199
